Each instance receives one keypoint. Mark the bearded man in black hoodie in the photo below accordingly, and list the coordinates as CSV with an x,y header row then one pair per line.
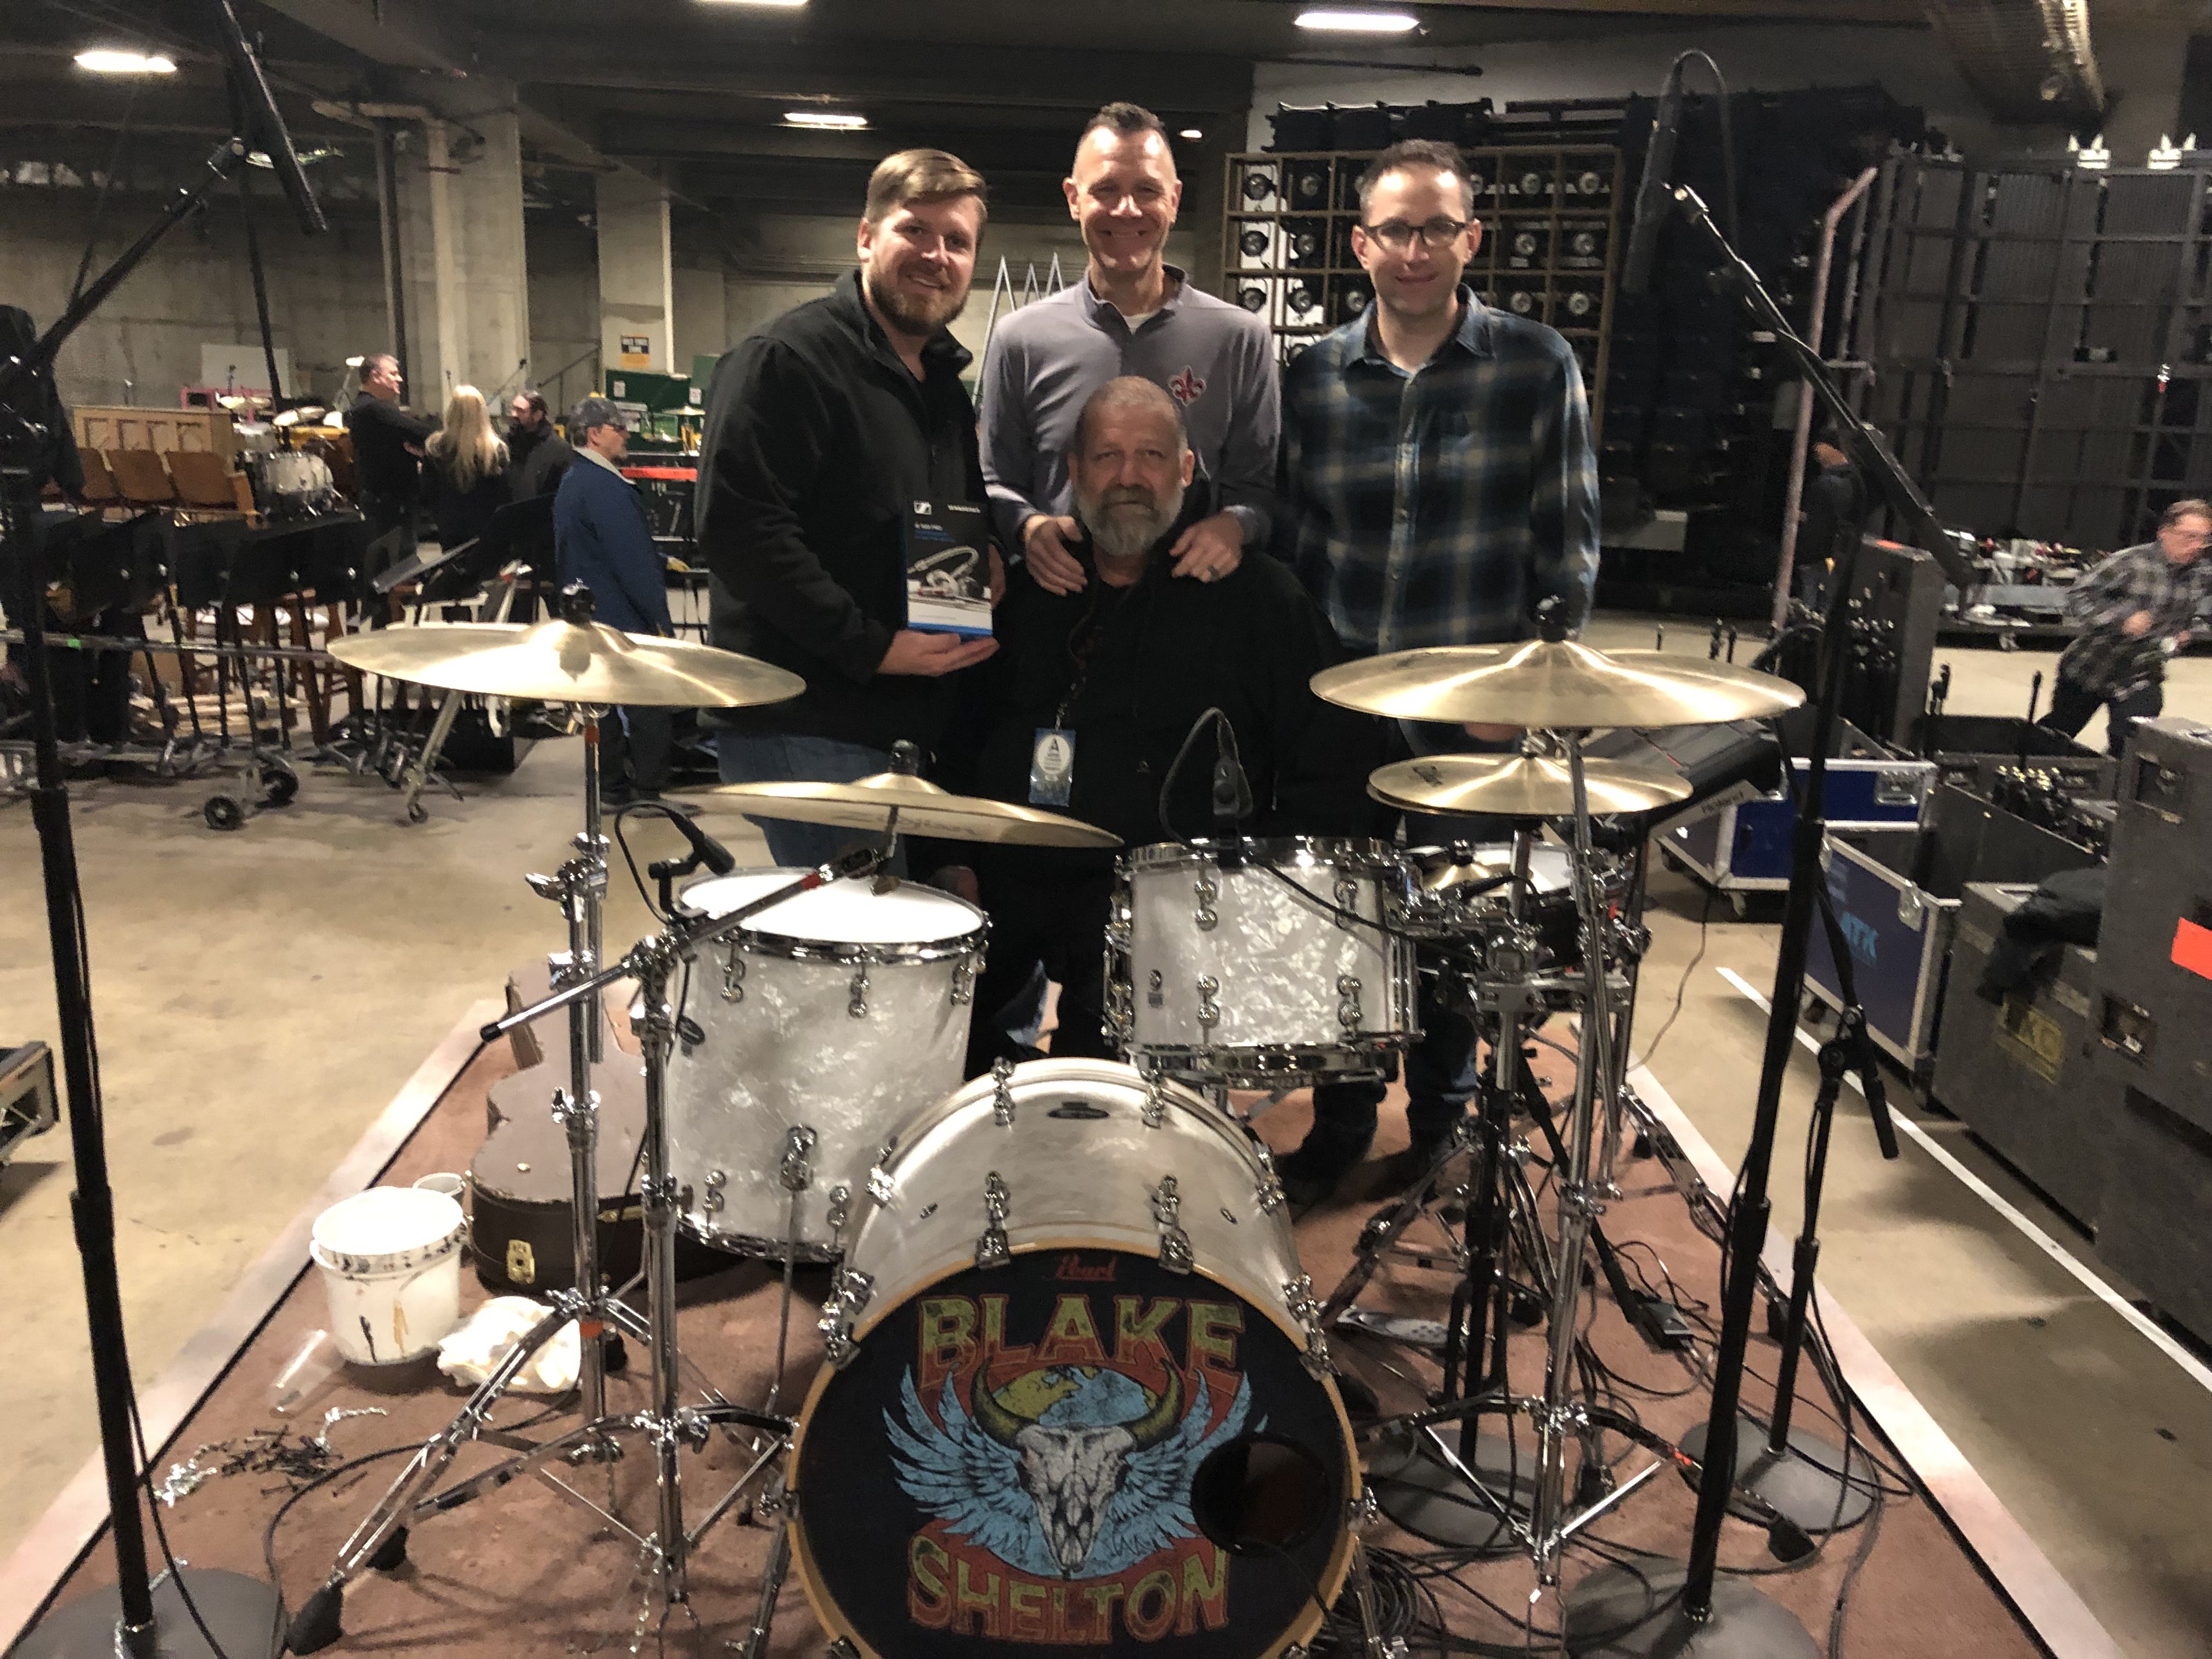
x,y
1092,692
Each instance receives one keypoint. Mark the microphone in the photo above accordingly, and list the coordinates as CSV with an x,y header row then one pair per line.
x,y
1651,190
1232,790
717,858
263,126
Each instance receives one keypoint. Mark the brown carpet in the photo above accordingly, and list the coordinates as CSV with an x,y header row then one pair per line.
x,y
525,1570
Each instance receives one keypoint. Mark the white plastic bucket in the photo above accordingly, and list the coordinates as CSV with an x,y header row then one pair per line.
x,y
392,1266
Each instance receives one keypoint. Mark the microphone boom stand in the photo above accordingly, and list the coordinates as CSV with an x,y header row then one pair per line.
x,y
1691,1611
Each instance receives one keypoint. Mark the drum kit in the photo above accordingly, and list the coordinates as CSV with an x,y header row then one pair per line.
x,y
1075,1377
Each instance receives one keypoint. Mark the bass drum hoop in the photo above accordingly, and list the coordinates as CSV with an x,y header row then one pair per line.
x,y
831,1617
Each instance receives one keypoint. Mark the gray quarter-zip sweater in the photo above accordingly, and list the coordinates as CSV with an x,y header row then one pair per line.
x,y
1215,359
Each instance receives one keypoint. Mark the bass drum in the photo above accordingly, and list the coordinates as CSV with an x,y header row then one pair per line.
x,y
1071,1354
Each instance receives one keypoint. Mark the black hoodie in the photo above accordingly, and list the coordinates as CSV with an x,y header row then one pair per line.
x,y
1156,656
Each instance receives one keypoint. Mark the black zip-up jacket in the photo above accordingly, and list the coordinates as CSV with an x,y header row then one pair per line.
x,y
381,432
818,441
1157,655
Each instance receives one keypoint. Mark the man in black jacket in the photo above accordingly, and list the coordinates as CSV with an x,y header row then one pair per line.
x,y
1110,680
387,460
822,431
538,456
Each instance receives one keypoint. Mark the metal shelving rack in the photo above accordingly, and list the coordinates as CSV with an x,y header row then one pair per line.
x,y
2042,341
1550,215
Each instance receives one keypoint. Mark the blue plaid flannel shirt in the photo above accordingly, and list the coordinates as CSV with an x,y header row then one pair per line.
x,y
1439,507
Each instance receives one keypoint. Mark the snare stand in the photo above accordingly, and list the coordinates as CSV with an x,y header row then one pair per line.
x,y
667,1425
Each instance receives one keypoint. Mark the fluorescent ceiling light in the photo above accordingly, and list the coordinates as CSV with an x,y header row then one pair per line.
x,y
823,117
1359,22
1192,133
102,62
789,5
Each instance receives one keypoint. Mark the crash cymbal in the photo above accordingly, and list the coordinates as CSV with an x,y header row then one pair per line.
x,y
567,662
1558,685
1520,786
923,810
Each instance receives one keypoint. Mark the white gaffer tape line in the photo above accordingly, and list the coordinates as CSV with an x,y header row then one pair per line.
x,y
2195,1368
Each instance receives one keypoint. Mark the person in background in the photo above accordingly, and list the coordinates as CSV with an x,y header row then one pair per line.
x,y
602,538
1437,484
2134,611
465,469
537,455
387,459
1834,501
822,431
1132,314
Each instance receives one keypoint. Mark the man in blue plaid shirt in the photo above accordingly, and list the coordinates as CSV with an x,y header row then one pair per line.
x,y
1437,482
2133,610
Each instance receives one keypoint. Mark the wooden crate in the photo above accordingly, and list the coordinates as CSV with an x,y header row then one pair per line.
x,y
208,430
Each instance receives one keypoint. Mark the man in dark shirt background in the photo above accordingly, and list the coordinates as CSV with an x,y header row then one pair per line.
x,y
602,538
1118,673
387,460
536,455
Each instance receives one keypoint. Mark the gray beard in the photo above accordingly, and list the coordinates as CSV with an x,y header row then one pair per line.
x,y
1122,531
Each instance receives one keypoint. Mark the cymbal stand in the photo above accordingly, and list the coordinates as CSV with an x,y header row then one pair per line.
x,y
1579,1205
666,1425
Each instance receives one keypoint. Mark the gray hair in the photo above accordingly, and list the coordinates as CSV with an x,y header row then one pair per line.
x,y
1130,392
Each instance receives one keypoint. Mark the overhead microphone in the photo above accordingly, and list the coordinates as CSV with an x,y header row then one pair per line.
x,y
1651,190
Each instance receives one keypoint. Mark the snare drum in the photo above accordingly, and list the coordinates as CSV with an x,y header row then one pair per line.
x,y
1070,1323
1273,968
816,1027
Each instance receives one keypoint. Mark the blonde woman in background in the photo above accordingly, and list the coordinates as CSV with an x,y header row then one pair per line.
x,y
464,469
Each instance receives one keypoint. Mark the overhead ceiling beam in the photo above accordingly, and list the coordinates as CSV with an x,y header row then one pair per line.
x,y
992,150
900,72
1660,11
406,34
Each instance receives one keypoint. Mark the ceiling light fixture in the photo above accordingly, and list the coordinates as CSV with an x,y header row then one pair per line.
x,y
1358,22
1192,133
787,5
102,61
824,118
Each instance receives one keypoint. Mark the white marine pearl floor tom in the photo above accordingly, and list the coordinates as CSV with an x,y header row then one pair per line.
x,y
822,1022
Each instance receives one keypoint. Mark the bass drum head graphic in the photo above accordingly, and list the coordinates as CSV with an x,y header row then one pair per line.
x,y
1008,1465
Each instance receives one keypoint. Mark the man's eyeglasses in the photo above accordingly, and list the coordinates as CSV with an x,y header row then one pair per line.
x,y
1397,235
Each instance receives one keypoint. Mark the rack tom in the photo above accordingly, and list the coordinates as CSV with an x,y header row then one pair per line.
x,y
803,1036
1258,963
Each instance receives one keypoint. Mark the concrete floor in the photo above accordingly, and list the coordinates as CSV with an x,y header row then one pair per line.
x,y
262,995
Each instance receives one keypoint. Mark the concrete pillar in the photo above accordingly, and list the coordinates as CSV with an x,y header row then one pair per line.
x,y
702,315
637,283
459,186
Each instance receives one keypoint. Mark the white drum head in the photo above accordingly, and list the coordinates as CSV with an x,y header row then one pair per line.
x,y
848,912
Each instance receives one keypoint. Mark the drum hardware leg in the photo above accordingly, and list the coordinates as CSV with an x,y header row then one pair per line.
x,y
755,1646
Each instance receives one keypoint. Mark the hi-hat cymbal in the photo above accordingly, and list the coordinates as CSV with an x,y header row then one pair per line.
x,y
1520,786
1556,685
567,662
923,810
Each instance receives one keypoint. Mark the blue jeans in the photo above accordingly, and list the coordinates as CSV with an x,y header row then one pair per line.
x,y
1440,1068
779,758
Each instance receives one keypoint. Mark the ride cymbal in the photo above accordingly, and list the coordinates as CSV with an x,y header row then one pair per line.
x,y
923,810
567,662
1520,786
1555,685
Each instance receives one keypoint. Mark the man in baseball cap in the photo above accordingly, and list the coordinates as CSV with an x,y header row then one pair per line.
x,y
602,538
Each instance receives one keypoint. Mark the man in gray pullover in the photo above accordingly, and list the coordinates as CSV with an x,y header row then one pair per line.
x,y
1133,314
